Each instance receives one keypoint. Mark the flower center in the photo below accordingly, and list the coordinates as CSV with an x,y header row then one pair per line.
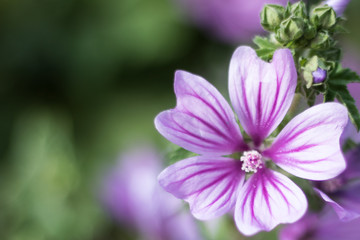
x,y
252,161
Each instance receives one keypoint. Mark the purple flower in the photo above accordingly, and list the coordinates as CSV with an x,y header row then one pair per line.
x,y
345,189
132,195
324,226
231,20
338,5
216,181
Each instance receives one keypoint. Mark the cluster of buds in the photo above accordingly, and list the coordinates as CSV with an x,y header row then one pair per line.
x,y
293,25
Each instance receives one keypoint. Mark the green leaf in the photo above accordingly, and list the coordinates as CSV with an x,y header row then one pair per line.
x,y
179,154
348,145
344,76
337,88
330,95
311,98
265,53
263,42
266,48
343,95
338,29
331,54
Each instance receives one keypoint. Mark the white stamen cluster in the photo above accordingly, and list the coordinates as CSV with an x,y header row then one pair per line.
x,y
251,161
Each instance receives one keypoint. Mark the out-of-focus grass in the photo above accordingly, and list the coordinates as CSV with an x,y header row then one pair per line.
x,y
44,195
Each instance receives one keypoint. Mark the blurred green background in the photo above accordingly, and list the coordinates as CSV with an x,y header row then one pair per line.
x,y
81,81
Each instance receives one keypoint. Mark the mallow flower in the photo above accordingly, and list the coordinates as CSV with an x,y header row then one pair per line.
x,y
322,226
217,181
338,5
132,195
343,192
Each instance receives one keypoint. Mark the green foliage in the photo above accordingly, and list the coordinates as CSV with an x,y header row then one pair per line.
x,y
266,48
349,145
311,39
337,88
44,196
178,154
343,76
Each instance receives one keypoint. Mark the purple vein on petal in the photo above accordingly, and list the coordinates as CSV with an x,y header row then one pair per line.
x,y
261,92
308,146
202,121
261,201
209,184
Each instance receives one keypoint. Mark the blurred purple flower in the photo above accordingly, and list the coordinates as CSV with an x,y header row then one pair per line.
x,y
133,196
324,226
344,189
231,20
204,123
338,5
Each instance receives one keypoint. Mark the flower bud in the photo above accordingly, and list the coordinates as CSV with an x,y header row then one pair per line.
x,y
290,29
271,16
324,17
310,31
314,71
321,41
319,75
299,9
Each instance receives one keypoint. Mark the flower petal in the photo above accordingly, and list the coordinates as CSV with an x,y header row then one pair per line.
x,y
308,146
343,213
208,184
261,92
353,164
300,229
267,199
202,121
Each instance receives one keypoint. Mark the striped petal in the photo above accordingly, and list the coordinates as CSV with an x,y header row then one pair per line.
x,y
267,199
308,146
202,122
208,184
344,212
261,92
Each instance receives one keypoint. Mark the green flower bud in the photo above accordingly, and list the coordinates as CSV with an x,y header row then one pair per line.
x,y
290,29
314,71
299,9
271,16
287,12
324,17
310,31
322,41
